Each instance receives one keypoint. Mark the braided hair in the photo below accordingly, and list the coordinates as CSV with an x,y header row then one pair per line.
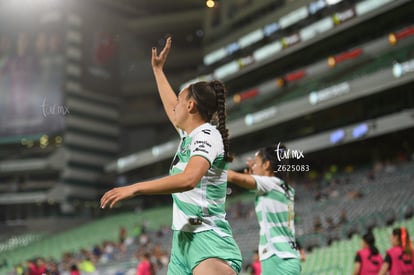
x,y
405,241
369,238
210,98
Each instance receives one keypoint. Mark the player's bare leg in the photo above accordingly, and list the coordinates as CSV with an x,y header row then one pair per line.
x,y
213,266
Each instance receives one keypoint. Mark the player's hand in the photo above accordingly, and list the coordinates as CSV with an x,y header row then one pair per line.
x,y
249,166
115,195
158,61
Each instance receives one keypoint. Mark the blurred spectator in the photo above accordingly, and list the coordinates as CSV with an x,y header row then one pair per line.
x,y
122,239
97,251
301,250
53,268
317,225
37,267
370,176
87,266
367,260
19,269
389,167
333,192
355,194
74,270
330,223
399,259
136,231
144,227
165,229
256,267
378,166
108,251
143,238
343,219
122,235
320,194
145,267
160,256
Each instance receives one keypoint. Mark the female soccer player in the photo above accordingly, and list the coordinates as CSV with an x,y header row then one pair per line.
x,y
202,237
274,209
400,258
368,260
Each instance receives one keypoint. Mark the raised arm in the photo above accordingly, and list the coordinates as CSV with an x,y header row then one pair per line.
x,y
167,94
243,180
187,180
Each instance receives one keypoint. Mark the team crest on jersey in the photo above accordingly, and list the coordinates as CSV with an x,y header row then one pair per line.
x,y
185,147
184,150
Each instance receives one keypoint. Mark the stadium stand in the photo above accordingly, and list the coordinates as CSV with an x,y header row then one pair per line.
x,y
384,192
340,254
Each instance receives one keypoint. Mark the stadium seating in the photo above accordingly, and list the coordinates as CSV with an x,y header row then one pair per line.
x,y
338,258
381,200
331,77
384,200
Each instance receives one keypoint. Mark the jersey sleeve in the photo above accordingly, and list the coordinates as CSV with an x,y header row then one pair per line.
x,y
387,259
207,145
266,184
357,258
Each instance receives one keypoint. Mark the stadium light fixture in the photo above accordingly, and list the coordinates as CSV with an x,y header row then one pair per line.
x,y
360,130
392,39
210,3
44,141
237,98
337,136
280,82
331,61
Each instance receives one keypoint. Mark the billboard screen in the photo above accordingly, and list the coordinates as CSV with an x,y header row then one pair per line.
x,y
31,71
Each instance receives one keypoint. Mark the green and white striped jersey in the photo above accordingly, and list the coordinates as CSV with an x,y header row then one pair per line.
x,y
207,200
275,212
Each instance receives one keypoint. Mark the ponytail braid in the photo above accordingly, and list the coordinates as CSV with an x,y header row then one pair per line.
x,y
210,98
369,238
220,90
406,242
